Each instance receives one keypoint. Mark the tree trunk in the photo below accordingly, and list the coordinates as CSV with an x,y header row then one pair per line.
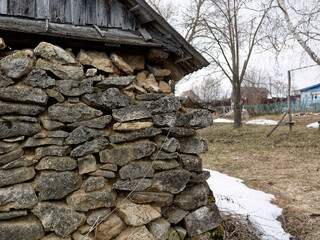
x,y
237,108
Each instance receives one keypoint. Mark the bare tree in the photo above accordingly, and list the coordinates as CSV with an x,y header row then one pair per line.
x,y
209,89
302,20
165,9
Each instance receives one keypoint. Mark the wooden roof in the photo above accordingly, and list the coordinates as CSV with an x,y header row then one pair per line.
x,y
112,22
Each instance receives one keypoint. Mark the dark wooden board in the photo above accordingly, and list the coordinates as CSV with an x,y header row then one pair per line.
x,y
42,9
3,6
103,13
78,12
91,12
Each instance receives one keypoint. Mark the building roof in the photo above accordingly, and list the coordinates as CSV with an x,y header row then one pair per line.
x,y
309,88
109,23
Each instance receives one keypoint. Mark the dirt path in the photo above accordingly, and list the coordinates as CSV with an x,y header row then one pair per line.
x,y
286,165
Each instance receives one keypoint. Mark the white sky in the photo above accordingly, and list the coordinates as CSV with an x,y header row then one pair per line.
x,y
288,60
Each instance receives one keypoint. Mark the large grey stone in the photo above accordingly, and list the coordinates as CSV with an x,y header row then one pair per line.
x,y
179,132
17,64
162,165
75,88
97,215
163,155
200,177
65,112
164,105
16,175
24,95
15,129
84,201
103,173
28,228
177,233
132,185
195,118
164,120
94,146
57,151
191,162
38,78
20,196
11,156
109,99
7,147
121,64
5,81
159,228
111,228
154,198
173,181
51,125
57,134
19,108
54,53
94,184
58,217
171,145
193,145
175,215
127,153
13,214
118,82
98,123
56,95
202,220
149,96
24,161
192,197
57,163
82,134
135,170
57,185
37,142
73,72
132,136
131,126
136,214
140,233
20,119
130,113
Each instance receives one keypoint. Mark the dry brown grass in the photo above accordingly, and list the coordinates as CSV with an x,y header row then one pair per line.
x,y
285,164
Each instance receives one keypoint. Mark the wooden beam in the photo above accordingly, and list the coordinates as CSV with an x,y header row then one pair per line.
x,y
86,33
140,13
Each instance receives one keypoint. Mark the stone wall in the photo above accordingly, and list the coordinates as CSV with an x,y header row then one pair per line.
x,y
79,134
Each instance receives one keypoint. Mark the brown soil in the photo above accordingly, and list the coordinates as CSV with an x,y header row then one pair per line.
x,y
285,164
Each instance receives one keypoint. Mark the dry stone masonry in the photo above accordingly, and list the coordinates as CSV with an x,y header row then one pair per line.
x,y
78,133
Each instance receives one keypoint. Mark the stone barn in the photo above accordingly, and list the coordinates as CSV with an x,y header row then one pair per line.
x,y
93,143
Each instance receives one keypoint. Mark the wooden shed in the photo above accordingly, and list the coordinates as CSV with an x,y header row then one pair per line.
x,y
127,25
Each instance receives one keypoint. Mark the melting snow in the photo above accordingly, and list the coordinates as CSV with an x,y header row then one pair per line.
x,y
262,122
222,120
234,197
313,125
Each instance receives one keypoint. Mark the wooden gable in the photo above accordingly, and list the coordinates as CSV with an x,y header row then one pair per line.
x,y
103,13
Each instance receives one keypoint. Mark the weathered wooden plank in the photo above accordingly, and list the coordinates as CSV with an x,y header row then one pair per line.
x,y
27,8
67,11
14,7
91,12
78,10
103,13
74,32
3,6
42,9
120,16
56,11
141,14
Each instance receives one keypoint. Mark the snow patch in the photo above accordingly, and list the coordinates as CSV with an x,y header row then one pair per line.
x,y
313,125
234,197
262,122
222,120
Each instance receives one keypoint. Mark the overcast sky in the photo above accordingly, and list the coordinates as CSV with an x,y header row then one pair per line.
x,y
288,60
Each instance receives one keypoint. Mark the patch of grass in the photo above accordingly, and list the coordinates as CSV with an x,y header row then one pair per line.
x,y
285,164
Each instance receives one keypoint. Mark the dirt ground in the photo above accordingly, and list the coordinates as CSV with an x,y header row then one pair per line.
x,y
284,164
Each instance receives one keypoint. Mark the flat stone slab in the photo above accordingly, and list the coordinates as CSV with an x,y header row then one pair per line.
x,y
131,126
17,129
111,228
125,154
118,82
137,214
24,161
57,185
57,163
11,156
38,142
7,147
164,105
5,81
13,214
58,217
127,137
57,151
140,233
16,175
131,113
202,220
132,185
18,108
82,134
93,146
24,95
28,228
135,170
158,199
69,113
172,181
73,88
38,78
84,201
191,162
98,123
193,145
20,196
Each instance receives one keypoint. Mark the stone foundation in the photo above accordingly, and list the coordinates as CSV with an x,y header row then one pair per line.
x,y
78,134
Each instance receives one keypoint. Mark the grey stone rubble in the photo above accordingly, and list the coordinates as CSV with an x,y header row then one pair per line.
x,y
73,145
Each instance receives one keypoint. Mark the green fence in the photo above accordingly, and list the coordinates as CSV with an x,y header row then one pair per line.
x,y
281,107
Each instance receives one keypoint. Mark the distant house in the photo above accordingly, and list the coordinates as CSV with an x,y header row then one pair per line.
x,y
254,95
310,95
